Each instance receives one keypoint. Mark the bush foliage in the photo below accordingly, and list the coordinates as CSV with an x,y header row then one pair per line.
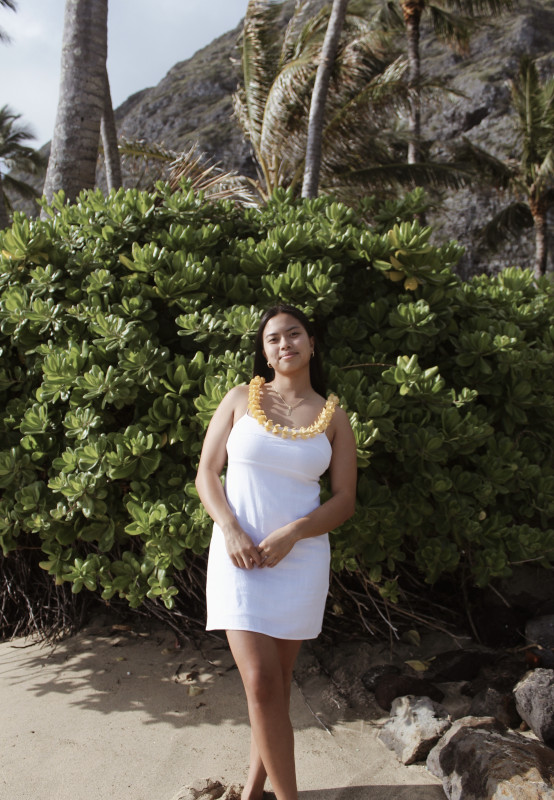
x,y
123,322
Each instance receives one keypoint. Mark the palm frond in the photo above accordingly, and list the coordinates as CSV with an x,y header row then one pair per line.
x,y
4,38
209,178
360,58
356,128
525,90
297,42
481,8
534,105
484,165
12,132
388,16
287,109
545,171
510,221
451,28
447,175
140,148
260,58
19,187
385,88
548,103
194,166
27,160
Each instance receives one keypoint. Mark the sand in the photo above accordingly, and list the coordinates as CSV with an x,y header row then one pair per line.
x,y
122,712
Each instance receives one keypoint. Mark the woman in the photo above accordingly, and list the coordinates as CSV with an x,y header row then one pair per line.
x,y
268,568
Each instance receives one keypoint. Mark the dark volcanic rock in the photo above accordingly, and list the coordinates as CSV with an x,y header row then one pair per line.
x,y
459,665
389,687
492,702
500,626
540,631
374,674
534,696
478,759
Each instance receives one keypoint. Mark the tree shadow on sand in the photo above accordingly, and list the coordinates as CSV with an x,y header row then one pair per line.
x,y
144,675
110,668
121,668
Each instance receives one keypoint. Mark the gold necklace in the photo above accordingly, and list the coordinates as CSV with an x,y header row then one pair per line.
x,y
320,425
290,409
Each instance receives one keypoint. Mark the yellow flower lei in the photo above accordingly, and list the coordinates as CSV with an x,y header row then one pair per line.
x,y
319,426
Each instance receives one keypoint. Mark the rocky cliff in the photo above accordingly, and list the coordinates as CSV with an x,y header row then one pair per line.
x,y
193,104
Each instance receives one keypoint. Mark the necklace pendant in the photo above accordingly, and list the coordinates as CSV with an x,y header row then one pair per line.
x,y
288,412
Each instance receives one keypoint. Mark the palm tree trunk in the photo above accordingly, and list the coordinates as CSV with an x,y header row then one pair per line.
x,y
4,218
412,10
108,131
539,210
74,152
319,98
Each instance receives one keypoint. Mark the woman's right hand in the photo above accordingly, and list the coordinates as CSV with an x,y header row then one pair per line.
x,y
240,547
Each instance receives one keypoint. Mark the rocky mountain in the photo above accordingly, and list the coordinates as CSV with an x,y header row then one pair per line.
x,y
193,104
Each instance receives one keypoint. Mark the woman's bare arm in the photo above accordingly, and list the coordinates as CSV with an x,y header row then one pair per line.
x,y
240,547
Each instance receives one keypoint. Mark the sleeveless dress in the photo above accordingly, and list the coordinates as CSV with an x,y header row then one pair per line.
x,y
271,481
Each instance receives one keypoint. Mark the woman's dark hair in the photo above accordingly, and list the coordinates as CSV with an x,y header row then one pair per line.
x,y
317,376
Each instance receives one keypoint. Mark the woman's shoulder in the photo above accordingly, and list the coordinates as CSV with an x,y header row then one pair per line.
x,y
340,424
237,393
236,400
340,416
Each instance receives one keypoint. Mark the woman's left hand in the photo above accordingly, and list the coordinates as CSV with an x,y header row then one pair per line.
x,y
276,546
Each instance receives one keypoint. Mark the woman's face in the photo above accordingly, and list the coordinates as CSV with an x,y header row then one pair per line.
x,y
287,346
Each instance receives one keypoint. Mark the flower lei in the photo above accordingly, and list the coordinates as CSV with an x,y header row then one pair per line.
x,y
318,426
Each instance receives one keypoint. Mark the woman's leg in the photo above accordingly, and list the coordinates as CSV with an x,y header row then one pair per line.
x,y
266,665
257,774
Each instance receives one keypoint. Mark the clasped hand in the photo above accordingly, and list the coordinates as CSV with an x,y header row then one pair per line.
x,y
271,550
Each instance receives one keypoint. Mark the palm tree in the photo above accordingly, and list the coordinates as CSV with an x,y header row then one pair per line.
x,y
108,133
531,176
452,22
319,98
14,154
13,7
273,104
73,156
367,87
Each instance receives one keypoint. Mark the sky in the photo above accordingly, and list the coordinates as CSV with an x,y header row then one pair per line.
x,y
145,39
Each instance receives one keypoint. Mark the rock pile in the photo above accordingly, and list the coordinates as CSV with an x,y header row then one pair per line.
x,y
478,755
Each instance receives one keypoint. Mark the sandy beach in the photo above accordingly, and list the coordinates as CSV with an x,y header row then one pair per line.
x,y
122,711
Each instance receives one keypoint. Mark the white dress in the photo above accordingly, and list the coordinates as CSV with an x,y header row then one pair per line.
x,y
271,481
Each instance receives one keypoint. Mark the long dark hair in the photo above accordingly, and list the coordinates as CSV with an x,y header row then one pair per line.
x,y
317,376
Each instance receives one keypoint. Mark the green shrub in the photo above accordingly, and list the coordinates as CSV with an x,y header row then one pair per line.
x,y
123,322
